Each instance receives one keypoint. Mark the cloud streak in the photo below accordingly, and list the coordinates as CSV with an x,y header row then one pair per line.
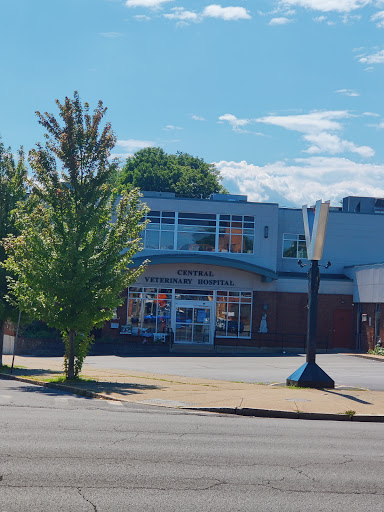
x,y
342,6
152,4
184,16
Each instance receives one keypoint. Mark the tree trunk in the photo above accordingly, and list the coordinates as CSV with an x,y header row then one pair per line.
x,y
71,355
1,342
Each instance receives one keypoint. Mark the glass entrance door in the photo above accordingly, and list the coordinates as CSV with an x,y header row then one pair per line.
x,y
193,322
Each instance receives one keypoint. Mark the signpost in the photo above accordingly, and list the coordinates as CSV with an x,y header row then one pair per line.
x,y
310,375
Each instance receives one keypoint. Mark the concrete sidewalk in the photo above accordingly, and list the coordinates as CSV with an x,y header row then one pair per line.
x,y
239,397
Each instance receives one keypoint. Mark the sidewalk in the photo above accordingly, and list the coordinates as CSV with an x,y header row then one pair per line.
x,y
223,396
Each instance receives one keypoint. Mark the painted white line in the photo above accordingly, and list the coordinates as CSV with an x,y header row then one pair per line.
x,y
113,402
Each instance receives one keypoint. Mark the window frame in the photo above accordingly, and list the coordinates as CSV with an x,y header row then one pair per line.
x,y
206,221
289,237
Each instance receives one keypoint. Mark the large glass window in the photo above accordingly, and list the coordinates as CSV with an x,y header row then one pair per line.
x,y
149,310
234,314
236,233
160,231
206,232
196,232
294,246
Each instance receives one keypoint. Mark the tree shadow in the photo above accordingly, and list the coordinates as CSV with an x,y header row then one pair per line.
x,y
82,387
121,388
28,372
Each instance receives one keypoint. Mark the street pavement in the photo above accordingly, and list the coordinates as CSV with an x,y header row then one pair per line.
x,y
115,378
345,370
59,452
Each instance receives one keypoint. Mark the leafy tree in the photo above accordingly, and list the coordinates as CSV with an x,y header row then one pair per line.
x,y
186,175
12,189
77,240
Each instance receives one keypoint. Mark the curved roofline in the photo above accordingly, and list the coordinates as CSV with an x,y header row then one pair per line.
x,y
209,259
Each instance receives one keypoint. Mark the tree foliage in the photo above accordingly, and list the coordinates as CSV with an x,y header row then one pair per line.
x,y
185,175
76,239
12,189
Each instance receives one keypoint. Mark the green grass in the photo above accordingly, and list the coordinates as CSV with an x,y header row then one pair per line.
x,y
63,380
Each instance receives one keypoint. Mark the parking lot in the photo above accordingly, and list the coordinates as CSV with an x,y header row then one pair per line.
x,y
344,369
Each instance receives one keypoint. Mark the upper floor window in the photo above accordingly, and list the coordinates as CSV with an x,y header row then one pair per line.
x,y
207,232
159,233
236,233
196,232
294,246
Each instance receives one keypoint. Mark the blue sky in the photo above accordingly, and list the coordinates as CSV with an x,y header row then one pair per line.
x,y
285,97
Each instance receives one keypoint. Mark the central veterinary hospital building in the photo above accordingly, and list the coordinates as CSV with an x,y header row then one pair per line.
x,y
224,275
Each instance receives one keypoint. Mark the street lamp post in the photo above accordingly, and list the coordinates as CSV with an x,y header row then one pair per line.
x,y
310,374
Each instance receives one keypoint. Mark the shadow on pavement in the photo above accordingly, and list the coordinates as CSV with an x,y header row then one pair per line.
x,y
350,397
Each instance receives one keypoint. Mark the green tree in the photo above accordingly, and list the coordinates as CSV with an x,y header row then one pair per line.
x,y
186,175
12,189
71,259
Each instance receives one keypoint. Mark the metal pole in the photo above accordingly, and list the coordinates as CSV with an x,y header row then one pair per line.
x,y
15,342
313,290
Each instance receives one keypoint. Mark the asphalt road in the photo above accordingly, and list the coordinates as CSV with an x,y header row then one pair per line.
x,y
63,453
345,370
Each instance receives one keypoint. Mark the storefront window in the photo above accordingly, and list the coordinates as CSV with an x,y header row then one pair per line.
x,y
233,314
149,310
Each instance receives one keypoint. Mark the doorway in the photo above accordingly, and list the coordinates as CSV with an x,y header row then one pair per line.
x,y
193,322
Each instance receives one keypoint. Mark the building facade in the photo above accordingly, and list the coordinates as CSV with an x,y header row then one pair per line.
x,y
223,274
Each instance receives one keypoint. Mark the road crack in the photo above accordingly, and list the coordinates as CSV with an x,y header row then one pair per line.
x,y
86,499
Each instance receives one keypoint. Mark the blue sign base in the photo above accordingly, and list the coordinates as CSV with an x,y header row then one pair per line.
x,y
310,375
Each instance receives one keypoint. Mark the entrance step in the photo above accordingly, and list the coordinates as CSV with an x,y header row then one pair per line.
x,y
192,348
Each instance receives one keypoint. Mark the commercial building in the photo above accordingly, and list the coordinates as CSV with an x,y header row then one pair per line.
x,y
223,274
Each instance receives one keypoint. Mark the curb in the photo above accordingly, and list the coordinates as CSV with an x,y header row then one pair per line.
x,y
271,413
369,357
239,411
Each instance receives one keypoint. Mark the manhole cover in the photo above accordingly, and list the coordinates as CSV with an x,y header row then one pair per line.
x,y
297,400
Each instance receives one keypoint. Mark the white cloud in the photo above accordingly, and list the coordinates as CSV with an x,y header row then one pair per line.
x,y
379,19
308,123
171,127
152,4
305,180
380,125
280,21
348,92
179,13
234,121
373,58
317,129
328,5
320,19
226,13
142,17
111,35
324,142
197,118
133,145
